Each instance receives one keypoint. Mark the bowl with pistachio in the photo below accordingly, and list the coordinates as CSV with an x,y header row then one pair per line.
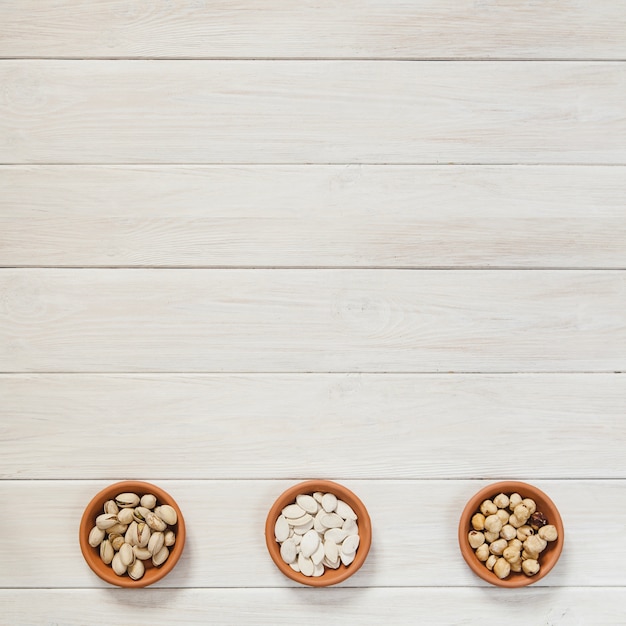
x,y
511,534
132,534
318,533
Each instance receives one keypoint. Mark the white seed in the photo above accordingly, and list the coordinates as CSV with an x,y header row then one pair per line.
x,y
307,503
293,511
350,526
294,566
329,502
318,555
337,535
331,550
318,569
350,544
346,559
332,520
288,551
302,530
306,565
332,564
317,496
345,510
281,528
300,521
309,543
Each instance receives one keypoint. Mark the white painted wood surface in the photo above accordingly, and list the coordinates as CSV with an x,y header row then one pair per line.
x,y
432,29
242,426
304,256
305,216
161,320
312,112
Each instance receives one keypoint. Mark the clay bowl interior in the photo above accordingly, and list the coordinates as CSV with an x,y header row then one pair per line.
x,y
92,555
547,558
330,576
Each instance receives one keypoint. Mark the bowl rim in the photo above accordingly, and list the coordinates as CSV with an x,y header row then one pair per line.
x,y
342,492
93,558
471,506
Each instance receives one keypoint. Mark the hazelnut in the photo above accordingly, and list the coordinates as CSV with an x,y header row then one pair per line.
x,y
513,521
501,501
529,554
522,513
475,539
516,543
508,532
503,515
491,537
491,561
530,567
502,568
493,524
488,508
516,567
548,533
537,520
512,555
534,543
482,552
498,546
478,521
523,532
530,504
514,500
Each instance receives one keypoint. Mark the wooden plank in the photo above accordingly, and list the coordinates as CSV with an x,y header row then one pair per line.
x,y
255,28
60,320
64,320
311,112
360,426
255,607
308,216
414,534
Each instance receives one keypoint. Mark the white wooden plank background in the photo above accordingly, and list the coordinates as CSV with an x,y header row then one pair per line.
x,y
312,112
304,216
321,29
265,426
318,260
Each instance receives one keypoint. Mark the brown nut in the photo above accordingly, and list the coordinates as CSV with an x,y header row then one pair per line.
x,y
537,520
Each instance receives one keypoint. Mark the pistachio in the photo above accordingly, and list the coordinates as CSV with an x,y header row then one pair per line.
x,y
118,529
111,507
143,554
127,500
143,535
118,566
167,513
126,554
106,520
170,538
96,536
125,516
106,552
132,536
155,522
157,541
160,557
140,513
136,570
117,541
148,501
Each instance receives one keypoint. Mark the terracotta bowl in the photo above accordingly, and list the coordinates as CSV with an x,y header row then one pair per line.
x,y
92,555
330,576
547,559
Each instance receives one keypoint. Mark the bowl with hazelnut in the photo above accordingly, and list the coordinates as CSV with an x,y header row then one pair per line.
x,y
510,534
318,533
132,534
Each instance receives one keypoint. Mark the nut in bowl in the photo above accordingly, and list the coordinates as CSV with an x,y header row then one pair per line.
x,y
511,534
318,533
132,534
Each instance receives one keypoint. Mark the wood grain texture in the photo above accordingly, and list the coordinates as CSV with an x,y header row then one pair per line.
x,y
311,112
360,426
280,28
282,607
308,216
311,320
414,534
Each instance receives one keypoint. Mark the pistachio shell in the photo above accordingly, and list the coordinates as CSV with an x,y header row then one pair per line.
x,y
127,500
118,566
126,554
157,541
143,534
106,520
111,507
143,554
140,512
160,557
148,501
96,536
136,570
155,522
117,541
106,552
167,513
125,516
170,538
132,535
118,529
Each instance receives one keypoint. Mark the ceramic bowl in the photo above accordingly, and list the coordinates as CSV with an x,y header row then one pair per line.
x,y
330,576
92,555
547,559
